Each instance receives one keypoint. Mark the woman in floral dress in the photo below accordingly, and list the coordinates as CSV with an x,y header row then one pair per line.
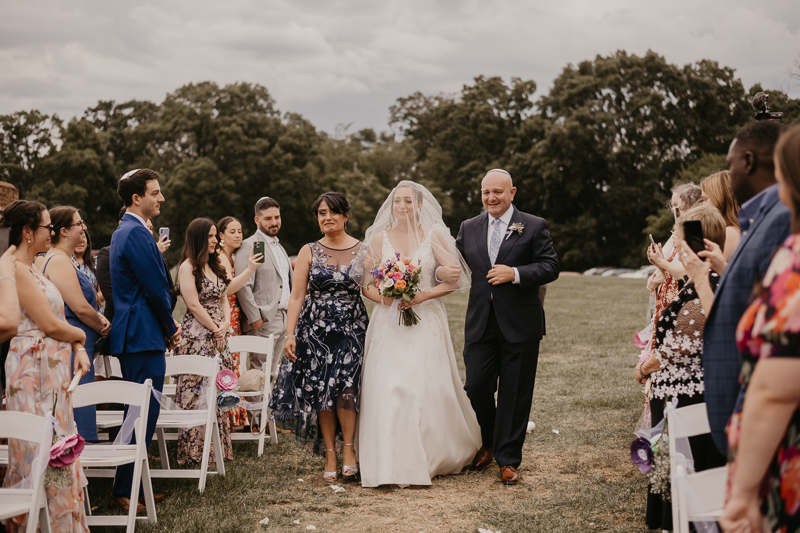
x,y
764,436
229,234
203,285
38,369
319,382
676,363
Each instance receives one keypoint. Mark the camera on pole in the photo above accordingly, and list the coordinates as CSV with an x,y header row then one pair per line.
x,y
761,104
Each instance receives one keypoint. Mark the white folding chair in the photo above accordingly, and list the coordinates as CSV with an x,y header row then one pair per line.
x,y
172,419
99,460
696,496
32,501
247,344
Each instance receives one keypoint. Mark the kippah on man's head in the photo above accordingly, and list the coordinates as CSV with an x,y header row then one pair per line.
x,y
265,202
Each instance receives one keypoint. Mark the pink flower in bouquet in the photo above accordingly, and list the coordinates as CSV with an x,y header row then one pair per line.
x,y
638,341
226,380
398,275
64,451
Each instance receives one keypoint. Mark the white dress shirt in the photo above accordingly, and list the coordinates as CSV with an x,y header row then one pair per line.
x,y
505,220
282,263
137,217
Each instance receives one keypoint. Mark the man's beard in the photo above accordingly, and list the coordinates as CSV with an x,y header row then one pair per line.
x,y
271,232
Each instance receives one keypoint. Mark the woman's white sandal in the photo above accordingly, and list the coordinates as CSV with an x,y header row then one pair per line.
x,y
330,477
349,468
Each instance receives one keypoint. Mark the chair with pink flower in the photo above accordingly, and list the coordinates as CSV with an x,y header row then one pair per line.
x,y
29,498
172,418
245,345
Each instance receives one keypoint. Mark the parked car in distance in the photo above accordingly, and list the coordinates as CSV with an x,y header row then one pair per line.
x,y
615,272
643,273
596,271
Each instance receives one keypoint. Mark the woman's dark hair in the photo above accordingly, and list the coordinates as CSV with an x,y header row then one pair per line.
x,y
337,203
136,183
787,156
21,214
223,224
195,250
61,217
88,260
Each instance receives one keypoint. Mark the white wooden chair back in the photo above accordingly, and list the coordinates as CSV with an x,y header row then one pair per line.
x,y
32,501
245,345
99,460
699,496
182,419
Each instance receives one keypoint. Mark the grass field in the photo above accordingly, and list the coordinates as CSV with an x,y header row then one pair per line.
x,y
580,479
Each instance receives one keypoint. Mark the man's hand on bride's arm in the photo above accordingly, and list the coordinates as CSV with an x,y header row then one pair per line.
x,y
500,274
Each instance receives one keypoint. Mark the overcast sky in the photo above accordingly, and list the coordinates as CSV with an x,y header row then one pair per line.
x,y
339,62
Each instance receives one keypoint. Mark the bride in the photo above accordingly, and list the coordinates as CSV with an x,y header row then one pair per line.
x,y
416,421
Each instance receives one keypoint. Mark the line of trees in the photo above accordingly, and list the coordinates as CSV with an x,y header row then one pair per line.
x,y
596,156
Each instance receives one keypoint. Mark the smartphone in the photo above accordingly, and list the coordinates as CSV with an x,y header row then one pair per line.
x,y
693,235
258,248
651,238
5,236
163,232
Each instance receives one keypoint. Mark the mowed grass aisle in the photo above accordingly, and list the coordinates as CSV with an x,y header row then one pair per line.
x,y
580,479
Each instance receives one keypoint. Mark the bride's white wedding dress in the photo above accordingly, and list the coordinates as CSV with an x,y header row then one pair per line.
x,y
415,419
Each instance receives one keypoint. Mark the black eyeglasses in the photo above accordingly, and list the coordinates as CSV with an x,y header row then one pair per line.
x,y
49,226
79,223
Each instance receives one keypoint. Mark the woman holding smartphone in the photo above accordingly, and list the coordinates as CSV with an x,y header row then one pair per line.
x,y
676,365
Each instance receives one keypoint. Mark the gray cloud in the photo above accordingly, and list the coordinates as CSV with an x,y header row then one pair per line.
x,y
348,61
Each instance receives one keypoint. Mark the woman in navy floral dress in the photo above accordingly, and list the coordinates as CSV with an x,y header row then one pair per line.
x,y
319,382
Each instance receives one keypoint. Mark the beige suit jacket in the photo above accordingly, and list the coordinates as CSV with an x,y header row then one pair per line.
x,y
261,293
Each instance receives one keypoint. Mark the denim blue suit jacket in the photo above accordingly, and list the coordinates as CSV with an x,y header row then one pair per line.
x,y
748,264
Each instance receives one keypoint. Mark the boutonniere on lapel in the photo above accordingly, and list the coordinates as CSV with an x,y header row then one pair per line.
x,y
519,227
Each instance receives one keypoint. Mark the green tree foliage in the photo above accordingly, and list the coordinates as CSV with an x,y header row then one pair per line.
x,y
596,156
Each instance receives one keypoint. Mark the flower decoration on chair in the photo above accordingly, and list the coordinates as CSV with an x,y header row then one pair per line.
x,y
642,454
226,380
66,450
227,399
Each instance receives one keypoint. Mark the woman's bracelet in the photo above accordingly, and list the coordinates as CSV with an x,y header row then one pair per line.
x,y
288,336
81,350
8,277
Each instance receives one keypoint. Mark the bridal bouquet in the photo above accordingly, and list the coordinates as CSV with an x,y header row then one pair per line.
x,y
398,278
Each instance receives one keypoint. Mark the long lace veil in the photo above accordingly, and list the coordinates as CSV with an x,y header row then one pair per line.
x,y
411,218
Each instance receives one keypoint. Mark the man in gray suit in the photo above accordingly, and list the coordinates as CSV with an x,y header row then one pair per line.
x,y
264,298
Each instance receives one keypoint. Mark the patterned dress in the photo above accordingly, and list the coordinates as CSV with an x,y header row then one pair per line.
x,y
678,346
38,369
771,328
196,339
236,415
330,347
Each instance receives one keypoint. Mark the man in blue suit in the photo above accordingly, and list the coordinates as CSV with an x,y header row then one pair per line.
x,y
143,323
764,223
